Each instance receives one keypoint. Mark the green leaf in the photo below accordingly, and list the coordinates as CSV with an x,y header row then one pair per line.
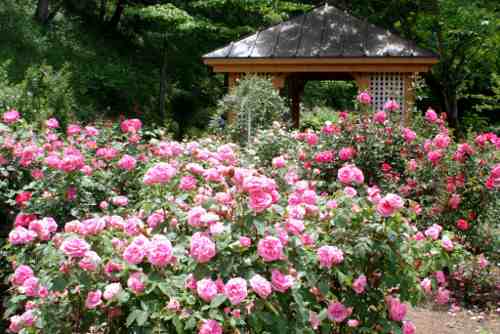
x,y
217,301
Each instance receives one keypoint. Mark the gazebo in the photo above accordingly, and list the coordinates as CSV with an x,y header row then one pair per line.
x,y
327,44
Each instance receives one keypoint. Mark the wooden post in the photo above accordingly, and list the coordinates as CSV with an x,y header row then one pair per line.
x,y
409,101
296,89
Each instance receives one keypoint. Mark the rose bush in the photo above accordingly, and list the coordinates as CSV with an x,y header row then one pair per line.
x,y
118,234
453,184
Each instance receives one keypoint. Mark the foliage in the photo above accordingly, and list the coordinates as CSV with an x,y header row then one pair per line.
x,y
316,118
156,235
42,94
333,94
254,104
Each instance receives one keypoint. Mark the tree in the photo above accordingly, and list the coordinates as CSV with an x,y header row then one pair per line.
x,y
42,11
460,32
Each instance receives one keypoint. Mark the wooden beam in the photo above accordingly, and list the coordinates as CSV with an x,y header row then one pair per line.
x,y
291,68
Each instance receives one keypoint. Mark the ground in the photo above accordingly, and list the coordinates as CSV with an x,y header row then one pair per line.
x,y
433,320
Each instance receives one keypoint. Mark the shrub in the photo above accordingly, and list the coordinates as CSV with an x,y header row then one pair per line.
x,y
43,93
255,104
184,237
450,183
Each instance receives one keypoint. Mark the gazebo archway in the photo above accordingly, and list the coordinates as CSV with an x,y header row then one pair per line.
x,y
327,44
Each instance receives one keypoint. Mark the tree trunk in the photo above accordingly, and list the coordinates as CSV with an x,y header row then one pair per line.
x,y
42,11
117,15
451,106
102,10
163,79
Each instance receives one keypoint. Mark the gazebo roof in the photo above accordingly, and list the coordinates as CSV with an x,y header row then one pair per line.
x,y
323,33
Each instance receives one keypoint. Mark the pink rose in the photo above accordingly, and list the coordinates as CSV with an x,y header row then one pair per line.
x,y
131,125
16,324
353,323
454,201
391,105
134,253
359,284
112,290
260,201
210,327
194,216
11,116
409,327
338,312
206,289
93,299
397,310
380,117
350,174
261,286
52,123
389,204
127,162
20,236
329,256
426,285
364,98
31,287
314,320
270,249
21,274
431,116
435,156
447,244
433,231
202,248
75,247
281,282
442,296
279,162
346,153
159,251
90,261
188,182
409,135
236,290
160,173
245,242
442,140
136,283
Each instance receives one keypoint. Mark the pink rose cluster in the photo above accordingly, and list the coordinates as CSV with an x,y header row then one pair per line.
x,y
389,204
263,192
350,174
28,283
42,229
160,173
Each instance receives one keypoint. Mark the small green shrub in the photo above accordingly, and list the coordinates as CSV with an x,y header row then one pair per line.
x,y
256,105
43,93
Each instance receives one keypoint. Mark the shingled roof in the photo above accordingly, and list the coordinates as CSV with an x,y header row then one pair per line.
x,y
324,32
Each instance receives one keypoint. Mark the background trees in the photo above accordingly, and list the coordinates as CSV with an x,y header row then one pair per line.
x,y
122,53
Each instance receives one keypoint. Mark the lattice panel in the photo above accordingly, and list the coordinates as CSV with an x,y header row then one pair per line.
x,y
385,86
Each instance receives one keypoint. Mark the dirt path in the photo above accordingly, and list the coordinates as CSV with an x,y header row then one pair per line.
x,y
435,321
